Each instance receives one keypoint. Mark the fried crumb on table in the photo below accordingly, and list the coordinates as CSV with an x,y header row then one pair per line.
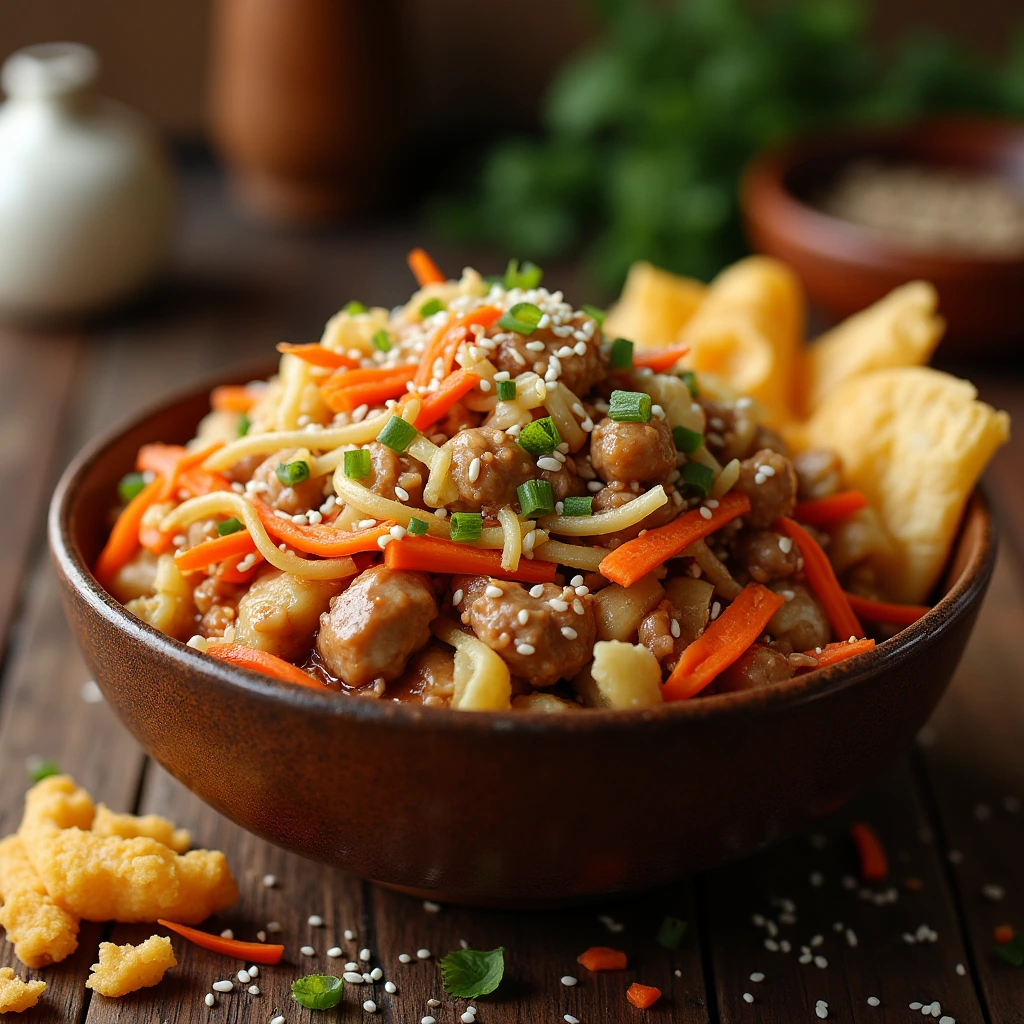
x,y
17,995
124,969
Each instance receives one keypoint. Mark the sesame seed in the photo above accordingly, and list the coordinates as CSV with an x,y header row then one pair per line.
x,y
851,937
254,971
364,955
427,1020
577,606
457,597
946,1019
397,532
821,1011
766,470
525,649
401,493
468,1018
873,1001
534,346
569,633
759,479
254,990
816,879
365,524
243,977
568,980
433,1002
277,1020
370,1006
315,921
376,974
404,958
423,954
771,945
383,542
549,464
227,934
349,935
935,1008
537,591
993,892
674,629
441,513
223,986
334,952
523,616
474,471
758,920
716,610
961,970
594,486
261,935
493,591
352,966
785,545
390,987
211,999
820,961
570,1019
353,977
817,940
747,997
431,907
556,604
307,950
915,1005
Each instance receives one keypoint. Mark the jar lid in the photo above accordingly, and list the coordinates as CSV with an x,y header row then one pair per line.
x,y
49,69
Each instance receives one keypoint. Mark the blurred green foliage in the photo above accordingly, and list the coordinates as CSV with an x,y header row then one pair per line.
x,y
647,132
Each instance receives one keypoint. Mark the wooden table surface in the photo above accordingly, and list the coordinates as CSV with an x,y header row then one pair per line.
x,y
949,811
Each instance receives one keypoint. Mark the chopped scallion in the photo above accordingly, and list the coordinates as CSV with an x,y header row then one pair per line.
x,y
41,769
594,313
522,318
416,527
574,506
506,390
540,437
630,407
699,476
353,307
292,473
621,355
536,498
687,440
397,434
382,341
357,464
526,276
231,525
466,526
689,378
670,934
243,425
131,484
430,307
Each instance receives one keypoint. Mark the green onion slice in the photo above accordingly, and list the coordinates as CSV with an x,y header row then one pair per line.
x,y
526,276
671,933
699,476
574,506
430,307
630,407
382,341
536,498
506,390
397,434
522,318
231,525
689,378
621,355
357,464
354,307
130,485
594,313
292,473
416,527
243,425
687,440
540,437
466,526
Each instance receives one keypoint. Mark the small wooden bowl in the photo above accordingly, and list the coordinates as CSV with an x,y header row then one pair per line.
x,y
499,809
846,266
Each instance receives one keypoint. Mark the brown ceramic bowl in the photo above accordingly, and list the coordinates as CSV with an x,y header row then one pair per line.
x,y
846,267
499,808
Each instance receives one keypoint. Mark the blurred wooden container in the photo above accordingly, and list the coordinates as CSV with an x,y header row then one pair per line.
x,y
304,104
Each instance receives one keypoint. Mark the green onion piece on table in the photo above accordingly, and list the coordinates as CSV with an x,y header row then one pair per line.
x,y
689,378
506,390
671,933
699,476
292,473
130,485
39,769
318,991
594,313
416,527
1012,952
466,526
354,307
575,506
231,525
687,440
522,318
397,434
526,276
382,341
430,307
630,407
357,464
536,498
621,355
540,437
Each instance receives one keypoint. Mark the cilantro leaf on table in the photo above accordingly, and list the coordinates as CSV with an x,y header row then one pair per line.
x,y
470,973
318,991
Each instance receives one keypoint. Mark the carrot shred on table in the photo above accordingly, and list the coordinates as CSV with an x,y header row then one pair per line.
x,y
874,865
660,360
254,952
602,958
346,390
436,404
217,549
261,661
433,554
822,578
832,654
722,642
825,512
123,541
316,355
326,541
642,996
232,398
424,269
883,611
1004,933
637,557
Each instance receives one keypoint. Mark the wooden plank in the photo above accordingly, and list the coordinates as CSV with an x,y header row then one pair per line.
x,y
778,885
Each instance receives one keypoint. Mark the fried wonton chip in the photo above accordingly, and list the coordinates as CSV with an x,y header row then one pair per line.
x,y
107,878
130,826
42,933
124,969
900,330
17,995
654,306
747,332
914,441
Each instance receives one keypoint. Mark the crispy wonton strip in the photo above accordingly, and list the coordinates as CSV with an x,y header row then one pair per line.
x,y
130,826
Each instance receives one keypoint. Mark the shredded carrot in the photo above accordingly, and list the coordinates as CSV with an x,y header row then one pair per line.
x,y
254,952
217,549
722,642
832,654
316,355
232,398
326,541
346,390
424,269
643,996
261,661
882,611
822,578
436,404
602,958
637,557
825,512
874,866
161,459
1004,933
445,344
232,574
123,541
660,360
431,554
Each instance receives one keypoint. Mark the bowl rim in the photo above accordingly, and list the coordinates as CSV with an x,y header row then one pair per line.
x,y
886,656
765,196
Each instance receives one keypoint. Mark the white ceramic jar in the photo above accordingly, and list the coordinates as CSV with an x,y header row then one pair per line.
x,y
86,190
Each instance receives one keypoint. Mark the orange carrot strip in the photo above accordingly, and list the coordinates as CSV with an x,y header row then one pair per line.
x,y
882,611
832,654
217,549
232,398
368,375
424,269
326,541
637,557
346,390
822,578
316,355
161,459
660,360
430,554
873,863
825,512
123,541
445,344
722,642
601,958
232,574
436,404
261,661
643,996
1004,933
254,952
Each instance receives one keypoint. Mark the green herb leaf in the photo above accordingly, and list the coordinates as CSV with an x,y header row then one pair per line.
x,y
594,313
417,527
357,464
527,276
292,473
630,407
536,498
1013,951
522,318
671,933
131,484
243,425
575,506
430,307
466,526
318,991
699,476
353,307
471,973
689,378
229,526
687,440
382,341
397,434
540,437
621,355
41,768
506,390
